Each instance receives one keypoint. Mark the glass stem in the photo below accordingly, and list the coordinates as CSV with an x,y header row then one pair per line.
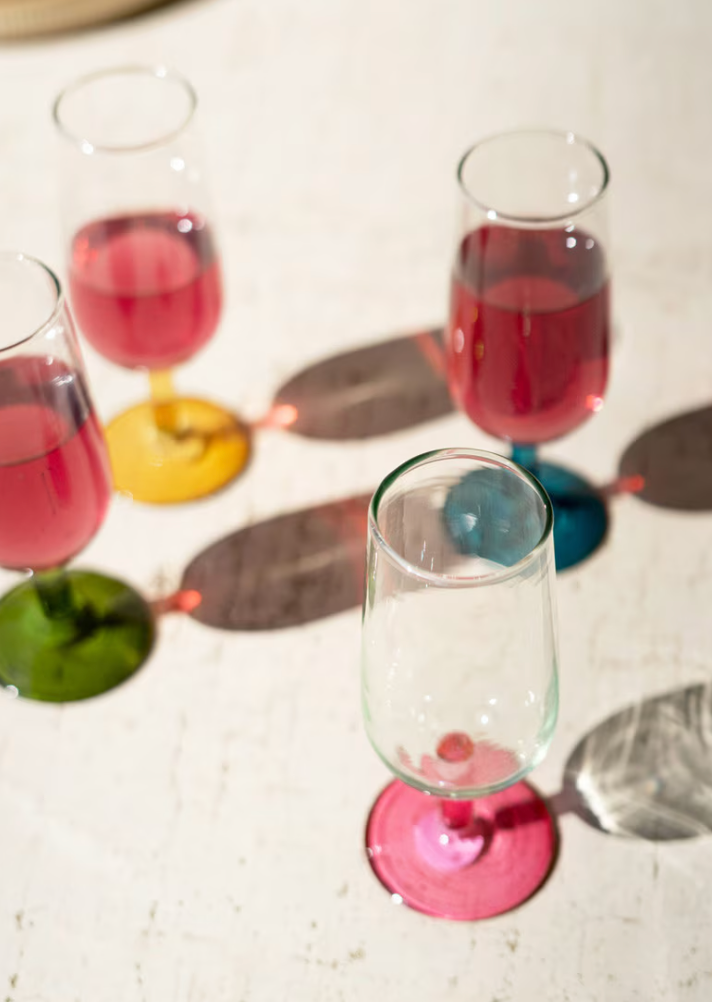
x,y
526,456
163,397
55,593
456,813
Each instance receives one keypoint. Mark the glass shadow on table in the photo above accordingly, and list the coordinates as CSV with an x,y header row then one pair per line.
x,y
670,465
646,771
375,390
306,565
286,571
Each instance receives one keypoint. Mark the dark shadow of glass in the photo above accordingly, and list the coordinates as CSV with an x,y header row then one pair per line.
x,y
290,570
372,391
670,465
646,772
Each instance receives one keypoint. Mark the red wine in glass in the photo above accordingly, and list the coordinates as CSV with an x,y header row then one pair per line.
x,y
146,289
529,330
144,272
64,634
527,339
54,476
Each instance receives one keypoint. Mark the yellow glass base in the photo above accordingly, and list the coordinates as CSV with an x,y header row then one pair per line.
x,y
176,451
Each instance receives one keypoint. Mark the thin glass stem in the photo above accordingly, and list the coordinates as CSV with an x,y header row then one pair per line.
x,y
526,456
163,397
457,813
55,593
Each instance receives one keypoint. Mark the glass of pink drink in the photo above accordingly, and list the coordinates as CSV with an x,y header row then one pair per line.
x,y
528,332
144,271
459,684
63,634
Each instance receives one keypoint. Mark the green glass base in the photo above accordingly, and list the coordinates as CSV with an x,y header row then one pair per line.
x,y
71,636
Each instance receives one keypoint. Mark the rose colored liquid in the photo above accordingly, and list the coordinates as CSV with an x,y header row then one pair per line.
x,y
528,333
146,289
55,481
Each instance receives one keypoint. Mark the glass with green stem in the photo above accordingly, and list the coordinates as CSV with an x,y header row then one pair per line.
x,y
64,635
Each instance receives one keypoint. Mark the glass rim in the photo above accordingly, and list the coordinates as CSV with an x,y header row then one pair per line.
x,y
459,580
47,324
159,72
572,139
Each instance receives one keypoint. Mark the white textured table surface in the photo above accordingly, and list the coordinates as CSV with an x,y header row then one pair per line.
x,y
196,836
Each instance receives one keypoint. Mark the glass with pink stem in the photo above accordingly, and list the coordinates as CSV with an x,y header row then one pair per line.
x,y
459,683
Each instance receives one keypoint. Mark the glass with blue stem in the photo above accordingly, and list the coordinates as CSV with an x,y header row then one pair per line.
x,y
529,324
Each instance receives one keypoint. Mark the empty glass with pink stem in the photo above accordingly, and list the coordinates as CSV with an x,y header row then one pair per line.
x,y
459,683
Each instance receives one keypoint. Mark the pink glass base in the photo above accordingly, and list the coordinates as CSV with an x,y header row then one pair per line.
x,y
483,869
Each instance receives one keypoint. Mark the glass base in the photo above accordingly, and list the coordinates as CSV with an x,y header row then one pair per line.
x,y
99,642
580,514
177,451
475,872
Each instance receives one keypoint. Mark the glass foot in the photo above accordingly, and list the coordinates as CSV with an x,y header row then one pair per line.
x,y
580,514
468,873
105,634
483,519
177,451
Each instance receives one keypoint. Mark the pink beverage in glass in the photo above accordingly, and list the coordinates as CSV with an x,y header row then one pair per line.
x,y
528,336
54,475
146,289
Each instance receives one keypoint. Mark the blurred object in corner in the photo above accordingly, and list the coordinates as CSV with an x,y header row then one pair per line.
x,y
34,18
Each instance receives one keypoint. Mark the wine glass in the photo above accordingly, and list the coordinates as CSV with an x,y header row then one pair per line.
x,y
144,271
63,634
528,333
459,683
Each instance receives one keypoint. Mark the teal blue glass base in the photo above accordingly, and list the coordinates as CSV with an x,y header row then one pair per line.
x,y
580,513
482,519
485,517
70,635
